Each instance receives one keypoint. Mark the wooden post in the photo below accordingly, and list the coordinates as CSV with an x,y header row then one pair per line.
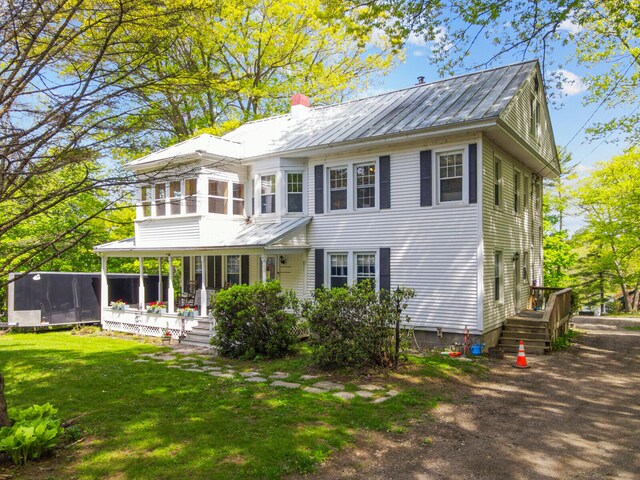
x,y
203,287
263,263
141,291
170,293
160,286
104,289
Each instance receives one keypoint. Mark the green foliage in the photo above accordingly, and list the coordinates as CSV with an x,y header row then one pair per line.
x,y
354,326
564,341
36,431
254,320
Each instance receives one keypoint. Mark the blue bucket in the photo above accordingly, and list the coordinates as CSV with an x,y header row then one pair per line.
x,y
476,349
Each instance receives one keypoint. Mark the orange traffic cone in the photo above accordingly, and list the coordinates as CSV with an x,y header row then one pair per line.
x,y
521,361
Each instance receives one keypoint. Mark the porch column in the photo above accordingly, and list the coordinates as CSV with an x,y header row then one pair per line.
x,y
104,288
203,287
263,272
160,279
171,299
141,292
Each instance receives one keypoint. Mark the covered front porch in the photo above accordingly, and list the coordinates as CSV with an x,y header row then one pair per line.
x,y
193,274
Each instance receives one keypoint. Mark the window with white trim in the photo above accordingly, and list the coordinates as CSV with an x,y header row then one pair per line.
x,y
338,188
525,267
161,197
191,195
338,270
268,194
146,197
175,197
238,198
295,187
365,185
498,277
450,173
233,269
218,196
525,193
516,191
365,267
497,182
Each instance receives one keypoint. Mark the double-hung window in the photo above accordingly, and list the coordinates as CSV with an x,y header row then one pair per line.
x,y
338,188
175,196
497,182
497,282
365,267
450,172
525,193
338,270
146,197
191,195
218,196
294,192
365,186
238,199
161,196
516,192
233,269
268,194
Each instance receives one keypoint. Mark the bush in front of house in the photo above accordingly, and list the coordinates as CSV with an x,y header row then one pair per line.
x,y
356,326
254,320
35,431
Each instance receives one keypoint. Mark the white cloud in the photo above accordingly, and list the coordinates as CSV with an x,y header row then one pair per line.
x,y
416,40
569,26
419,53
570,83
440,37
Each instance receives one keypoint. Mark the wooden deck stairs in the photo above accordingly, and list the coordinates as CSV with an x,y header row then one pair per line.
x,y
530,327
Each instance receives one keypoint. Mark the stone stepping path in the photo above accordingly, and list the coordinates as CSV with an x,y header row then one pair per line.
x,y
205,364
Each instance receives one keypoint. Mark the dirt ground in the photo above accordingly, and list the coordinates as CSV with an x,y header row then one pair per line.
x,y
573,415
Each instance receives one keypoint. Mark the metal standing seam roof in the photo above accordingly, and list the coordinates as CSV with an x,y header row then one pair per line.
x,y
249,236
466,98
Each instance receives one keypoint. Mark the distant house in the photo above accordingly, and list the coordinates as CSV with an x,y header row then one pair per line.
x,y
437,187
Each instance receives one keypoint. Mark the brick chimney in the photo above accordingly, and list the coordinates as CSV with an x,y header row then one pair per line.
x,y
299,106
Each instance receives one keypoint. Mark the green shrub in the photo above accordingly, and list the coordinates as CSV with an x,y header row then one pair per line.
x,y
36,430
254,320
356,326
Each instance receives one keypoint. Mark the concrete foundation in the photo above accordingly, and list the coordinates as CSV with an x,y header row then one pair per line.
x,y
428,340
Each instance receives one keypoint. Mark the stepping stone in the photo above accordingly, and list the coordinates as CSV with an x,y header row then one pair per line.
x,y
308,377
221,375
328,385
141,360
278,383
174,366
211,368
193,370
279,375
249,374
392,393
164,358
147,355
344,395
255,379
370,387
314,390
230,370
364,394
381,399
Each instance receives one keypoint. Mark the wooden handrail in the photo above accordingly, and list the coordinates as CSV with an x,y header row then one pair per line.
x,y
557,313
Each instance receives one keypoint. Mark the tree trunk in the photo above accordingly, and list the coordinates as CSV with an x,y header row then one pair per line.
x,y
4,416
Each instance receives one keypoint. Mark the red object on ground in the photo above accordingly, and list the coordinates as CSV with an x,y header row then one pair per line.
x,y
521,361
454,354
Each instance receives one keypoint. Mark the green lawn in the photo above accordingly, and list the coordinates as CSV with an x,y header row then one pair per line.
x,y
144,420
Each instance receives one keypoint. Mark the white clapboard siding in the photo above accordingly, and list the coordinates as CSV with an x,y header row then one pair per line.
x,y
175,231
292,273
509,233
433,249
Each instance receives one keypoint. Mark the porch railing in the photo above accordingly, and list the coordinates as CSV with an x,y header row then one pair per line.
x,y
558,312
539,297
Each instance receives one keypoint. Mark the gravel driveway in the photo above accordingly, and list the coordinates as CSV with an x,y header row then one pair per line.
x,y
573,415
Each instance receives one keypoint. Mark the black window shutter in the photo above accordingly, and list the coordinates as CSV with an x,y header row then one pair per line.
x,y
385,269
426,187
244,269
217,283
385,182
473,173
211,271
318,175
186,270
319,267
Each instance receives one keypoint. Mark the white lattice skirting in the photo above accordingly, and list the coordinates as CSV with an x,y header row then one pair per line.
x,y
148,325
139,329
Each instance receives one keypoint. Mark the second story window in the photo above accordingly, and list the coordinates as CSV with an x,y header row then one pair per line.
x,y
450,177
161,196
175,195
294,193
146,201
218,196
525,193
516,192
497,182
365,186
238,199
337,188
191,195
268,194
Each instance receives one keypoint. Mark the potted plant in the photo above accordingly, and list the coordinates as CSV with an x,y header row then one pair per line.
x,y
157,307
166,336
118,304
186,312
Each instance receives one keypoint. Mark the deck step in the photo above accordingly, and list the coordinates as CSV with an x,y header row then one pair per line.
x,y
529,327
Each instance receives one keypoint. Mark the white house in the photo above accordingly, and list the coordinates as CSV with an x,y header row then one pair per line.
x,y
437,187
